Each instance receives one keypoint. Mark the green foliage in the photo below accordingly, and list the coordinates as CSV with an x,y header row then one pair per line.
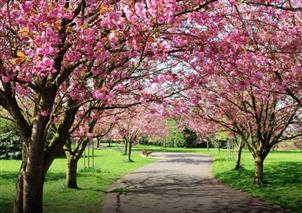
x,y
6,126
220,140
10,146
221,136
175,137
144,140
10,141
60,199
190,137
152,142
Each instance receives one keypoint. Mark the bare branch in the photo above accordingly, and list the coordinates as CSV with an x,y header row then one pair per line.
x,y
294,9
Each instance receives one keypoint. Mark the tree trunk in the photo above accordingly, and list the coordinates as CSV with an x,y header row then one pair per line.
x,y
71,172
36,160
18,203
126,147
238,160
72,161
258,179
218,146
29,190
208,145
88,156
34,171
98,143
129,151
30,181
33,179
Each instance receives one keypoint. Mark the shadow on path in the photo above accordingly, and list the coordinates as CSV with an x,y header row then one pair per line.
x,y
178,183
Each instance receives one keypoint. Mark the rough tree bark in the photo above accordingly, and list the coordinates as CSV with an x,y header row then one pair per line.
x,y
71,172
18,203
33,178
36,161
73,156
72,162
258,178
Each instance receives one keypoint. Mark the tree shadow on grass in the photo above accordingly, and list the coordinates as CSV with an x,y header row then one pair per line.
x,y
222,159
5,205
51,176
282,182
188,161
8,175
277,174
54,176
286,151
284,173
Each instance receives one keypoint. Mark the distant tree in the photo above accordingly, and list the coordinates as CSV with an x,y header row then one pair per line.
x,y
190,137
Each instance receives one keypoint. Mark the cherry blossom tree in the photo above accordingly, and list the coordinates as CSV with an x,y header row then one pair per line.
x,y
137,122
59,55
244,74
260,119
79,139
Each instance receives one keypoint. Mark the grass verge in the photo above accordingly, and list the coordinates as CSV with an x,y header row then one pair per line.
x,y
282,173
111,165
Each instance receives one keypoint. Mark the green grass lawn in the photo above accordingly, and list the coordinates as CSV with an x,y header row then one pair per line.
x,y
58,198
282,174
283,178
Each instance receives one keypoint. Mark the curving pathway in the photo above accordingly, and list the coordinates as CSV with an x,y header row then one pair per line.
x,y
178,183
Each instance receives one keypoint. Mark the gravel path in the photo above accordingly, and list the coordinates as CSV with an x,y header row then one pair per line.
x,y
178,183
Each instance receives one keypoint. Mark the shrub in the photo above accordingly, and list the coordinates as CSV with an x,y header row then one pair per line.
x,y
10,146
190,137
6,126
175,142
175,137
144,140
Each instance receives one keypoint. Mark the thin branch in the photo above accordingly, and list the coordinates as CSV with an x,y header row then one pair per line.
x,y
294,9
196,8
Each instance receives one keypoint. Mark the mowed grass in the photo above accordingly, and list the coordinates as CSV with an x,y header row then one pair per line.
x,y
57,198
282,174
282,177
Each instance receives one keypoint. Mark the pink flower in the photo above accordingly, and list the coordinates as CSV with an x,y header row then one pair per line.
x,y
140,10
5,79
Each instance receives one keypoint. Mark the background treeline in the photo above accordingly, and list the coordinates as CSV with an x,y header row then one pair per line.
x,y
10,141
